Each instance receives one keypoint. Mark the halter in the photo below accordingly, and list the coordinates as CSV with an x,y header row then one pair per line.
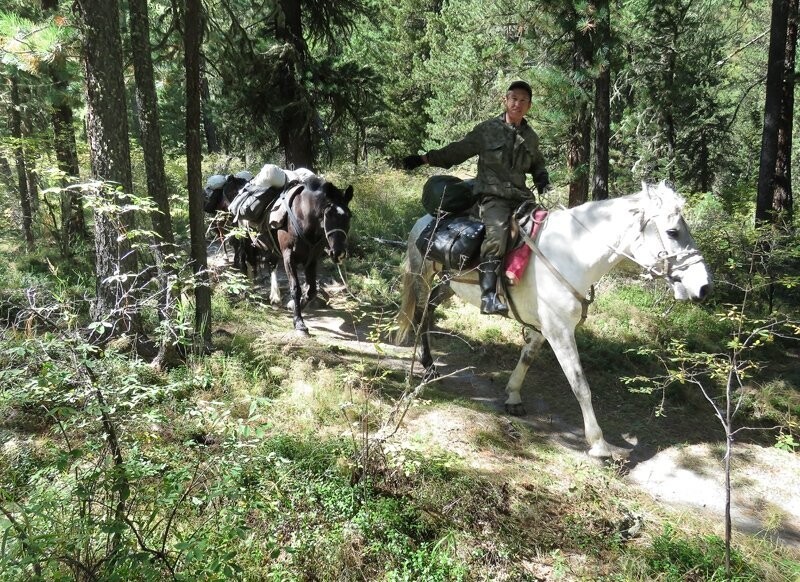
x,y
664,265
327,232
662,258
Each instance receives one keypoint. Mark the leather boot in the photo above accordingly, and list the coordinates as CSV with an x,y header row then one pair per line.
x,y
490,303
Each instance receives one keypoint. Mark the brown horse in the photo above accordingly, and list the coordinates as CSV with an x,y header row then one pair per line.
x,y
315,220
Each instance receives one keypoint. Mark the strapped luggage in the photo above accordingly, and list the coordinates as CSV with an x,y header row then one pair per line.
x,y
454,242
251,202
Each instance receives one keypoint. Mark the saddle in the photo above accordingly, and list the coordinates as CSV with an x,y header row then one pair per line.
x,y
455,241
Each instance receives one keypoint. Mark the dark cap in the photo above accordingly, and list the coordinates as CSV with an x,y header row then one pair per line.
x,y
521,85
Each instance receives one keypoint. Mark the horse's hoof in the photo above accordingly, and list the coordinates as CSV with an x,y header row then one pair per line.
x,y
302,331
516,409
603,450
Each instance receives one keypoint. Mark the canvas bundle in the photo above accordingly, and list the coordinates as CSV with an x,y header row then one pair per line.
x,y
251,202
448,194
454,242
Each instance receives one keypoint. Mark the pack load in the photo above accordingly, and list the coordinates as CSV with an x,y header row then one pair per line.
x,y
261,192
448,194
252,200
455,242
270,176
298,175
244,175
216,182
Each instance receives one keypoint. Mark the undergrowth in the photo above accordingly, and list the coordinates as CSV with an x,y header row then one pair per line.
x,y
256,461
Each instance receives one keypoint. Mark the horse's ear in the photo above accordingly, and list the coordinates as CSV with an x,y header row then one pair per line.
x,y
645,188
348,194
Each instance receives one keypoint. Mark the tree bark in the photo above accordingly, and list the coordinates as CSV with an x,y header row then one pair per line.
x,y
580,135
772,110
73,223
19,158
782,200
295,127
212,143
107,131
202,294
150,135
602,99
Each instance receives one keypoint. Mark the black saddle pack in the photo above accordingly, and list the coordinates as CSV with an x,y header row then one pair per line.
x,y
448,194
252,201
455,242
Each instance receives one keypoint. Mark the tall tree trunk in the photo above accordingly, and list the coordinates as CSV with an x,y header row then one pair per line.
x,y
148,121
202,293
295,127
157,188
602,99
580,135
782,200
772,110
107,131
73,223
19,158
210,128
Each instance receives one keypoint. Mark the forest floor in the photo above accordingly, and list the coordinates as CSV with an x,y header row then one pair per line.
x,y
676,461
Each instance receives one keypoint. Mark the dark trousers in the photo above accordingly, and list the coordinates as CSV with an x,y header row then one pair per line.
x,y
496,215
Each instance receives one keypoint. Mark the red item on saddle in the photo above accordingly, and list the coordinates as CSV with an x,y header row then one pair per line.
x,y
517,259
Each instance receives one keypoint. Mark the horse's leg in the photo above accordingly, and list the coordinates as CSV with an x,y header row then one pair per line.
x,y
513,403
424,315
251,257
294,290
310,291
566,350
274,289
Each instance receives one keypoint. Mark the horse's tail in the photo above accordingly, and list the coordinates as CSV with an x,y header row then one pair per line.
x,y
408,302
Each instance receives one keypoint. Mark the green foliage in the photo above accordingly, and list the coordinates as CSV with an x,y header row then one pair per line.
x,y
671,557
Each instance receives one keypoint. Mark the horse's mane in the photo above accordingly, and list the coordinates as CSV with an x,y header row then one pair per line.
x,y
651,198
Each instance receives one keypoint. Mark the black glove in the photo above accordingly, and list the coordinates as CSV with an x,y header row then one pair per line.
x,y
412,162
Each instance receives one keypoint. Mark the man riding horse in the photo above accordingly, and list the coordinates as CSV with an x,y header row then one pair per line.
x,y
507,149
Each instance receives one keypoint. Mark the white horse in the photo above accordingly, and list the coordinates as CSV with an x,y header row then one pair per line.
x,y
574,249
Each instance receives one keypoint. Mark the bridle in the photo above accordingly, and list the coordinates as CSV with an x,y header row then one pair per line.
x,y
665,262
328,232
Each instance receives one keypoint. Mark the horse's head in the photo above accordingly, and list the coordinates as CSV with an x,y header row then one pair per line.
x,y
665,246
335,213
221,190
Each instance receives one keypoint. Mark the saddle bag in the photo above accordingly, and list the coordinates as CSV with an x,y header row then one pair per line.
x,y
448,194
454,242
251,202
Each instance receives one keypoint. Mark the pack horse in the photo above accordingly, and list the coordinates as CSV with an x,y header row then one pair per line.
x,y
574,249
295,215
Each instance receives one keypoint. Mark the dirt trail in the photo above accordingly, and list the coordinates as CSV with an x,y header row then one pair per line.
x,y
687,478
